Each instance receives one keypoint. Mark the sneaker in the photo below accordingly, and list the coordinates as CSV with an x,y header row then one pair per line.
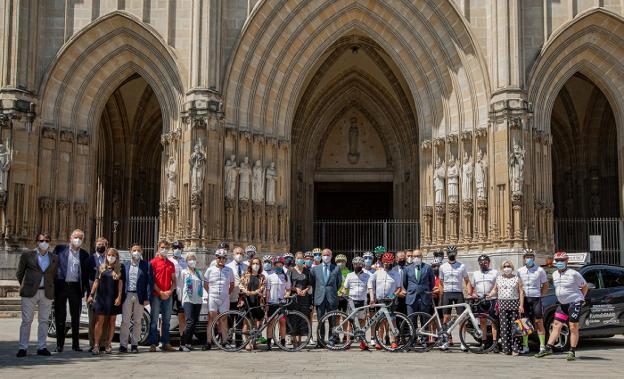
x,y
206,346
394,345
263,340
444,346
525,350
21,353
184,348
167,347
496,349
363,345
152,348
134,349
123,349
571,356
544,353
44,352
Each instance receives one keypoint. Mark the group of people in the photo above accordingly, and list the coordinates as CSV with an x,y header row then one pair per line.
x,y
318,282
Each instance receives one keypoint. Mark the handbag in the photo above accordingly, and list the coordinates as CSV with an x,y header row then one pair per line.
x,y
523,327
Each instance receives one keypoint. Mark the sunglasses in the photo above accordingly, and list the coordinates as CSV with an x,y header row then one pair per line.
x,y
43,240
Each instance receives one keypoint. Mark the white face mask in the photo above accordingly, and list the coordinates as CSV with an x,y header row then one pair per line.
x,y
192,263
111,259
76,242
410,260
326,258
44,246
417,261
238,258
507,270
136,255
255,267
177,253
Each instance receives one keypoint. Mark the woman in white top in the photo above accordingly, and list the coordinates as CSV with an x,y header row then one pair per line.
x,y
192,292
510,305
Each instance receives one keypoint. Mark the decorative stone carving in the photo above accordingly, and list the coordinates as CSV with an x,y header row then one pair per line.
x,y
171,173
257,183
271,184
428,211
425,145
467,175
439,178
481,176
516,169
282,212
198,164
452,175
481,132
6,158
465,135
231,176
354,155
48,132
67,136
467,207
244,173
451,138
199,123
82,138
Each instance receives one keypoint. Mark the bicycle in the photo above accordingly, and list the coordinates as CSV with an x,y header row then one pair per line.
x,y
243,331
348,330
432,333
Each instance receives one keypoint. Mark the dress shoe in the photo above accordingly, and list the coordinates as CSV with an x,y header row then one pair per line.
x,y
21,353
134,349
44,352
77,349
59,349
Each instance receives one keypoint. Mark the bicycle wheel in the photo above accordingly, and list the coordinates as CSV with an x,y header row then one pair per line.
x,y
482,341
236,335
298,331
403,338
423,342
332,335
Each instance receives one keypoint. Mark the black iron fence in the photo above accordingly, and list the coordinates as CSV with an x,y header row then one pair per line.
x,y
600,237
144,231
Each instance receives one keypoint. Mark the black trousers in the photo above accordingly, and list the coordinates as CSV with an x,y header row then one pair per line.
x,y
191,314
64,292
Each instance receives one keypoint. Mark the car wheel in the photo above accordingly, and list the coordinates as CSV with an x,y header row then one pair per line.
x,y
563,342
145,323
52,326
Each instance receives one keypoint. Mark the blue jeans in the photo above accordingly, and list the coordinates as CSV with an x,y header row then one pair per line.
x,y
160,307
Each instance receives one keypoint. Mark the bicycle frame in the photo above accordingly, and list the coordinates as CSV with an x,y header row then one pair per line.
x,y
467,313
254,332
383,312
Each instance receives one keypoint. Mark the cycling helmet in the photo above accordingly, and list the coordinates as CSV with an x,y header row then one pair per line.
x,y
267,258
177,245
438,257
483,258
561,255
358,261
308,254
316,250
223,245
387,258
528,253
368,254
278,260
250,250
221,253
288,255
341,258
380,249
450,249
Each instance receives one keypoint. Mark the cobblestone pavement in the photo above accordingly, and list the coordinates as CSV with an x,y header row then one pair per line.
x,y
596,358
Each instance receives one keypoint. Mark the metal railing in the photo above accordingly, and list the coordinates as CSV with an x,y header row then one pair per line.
x,y
144,231
600,237
356,236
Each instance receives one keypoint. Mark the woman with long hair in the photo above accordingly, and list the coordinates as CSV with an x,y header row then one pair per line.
x,y
252,290
107,293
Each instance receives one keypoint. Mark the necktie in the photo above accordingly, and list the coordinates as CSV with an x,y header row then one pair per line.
x,y
417,273
326,271
240,271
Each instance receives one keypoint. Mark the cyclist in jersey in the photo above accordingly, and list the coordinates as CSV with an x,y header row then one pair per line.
x,y
570,288
308,258
355,285
453,277
277,288
219,282
317,253
368,258
535,283
483,280
341,262
385,285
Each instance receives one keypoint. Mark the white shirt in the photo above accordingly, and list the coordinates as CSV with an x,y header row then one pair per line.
x,y
133,275
357,285
277,285
219,281
234,266
180,265
192,286
452,276
568,286
483,282
73,266
384,283
532,280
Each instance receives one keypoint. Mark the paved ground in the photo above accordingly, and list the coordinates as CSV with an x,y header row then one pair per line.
x,y
597,358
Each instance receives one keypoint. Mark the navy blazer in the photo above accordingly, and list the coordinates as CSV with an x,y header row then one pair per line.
x,y
142,285
326,291
61,252
418,289
94,268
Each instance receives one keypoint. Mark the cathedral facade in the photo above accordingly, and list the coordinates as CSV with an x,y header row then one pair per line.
x,y
482,122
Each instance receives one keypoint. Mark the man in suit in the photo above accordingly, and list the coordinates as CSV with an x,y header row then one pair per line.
x,y
137,295
35,273
95,260
326,279
400,268
72,284
418,282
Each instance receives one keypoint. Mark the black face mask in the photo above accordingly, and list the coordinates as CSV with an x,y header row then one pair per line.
x,y
485,268
451,257
436,271
387,266
100,249
401,263
357,269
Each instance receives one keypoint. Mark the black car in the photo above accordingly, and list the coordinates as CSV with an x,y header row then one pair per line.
x,y
602,314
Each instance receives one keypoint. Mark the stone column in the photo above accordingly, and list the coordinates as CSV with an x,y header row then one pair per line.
x,y
173,227
427,224
270,222
229,219
62,207
45,208
244,221
162,221
467,228
257,221
196,203
283,224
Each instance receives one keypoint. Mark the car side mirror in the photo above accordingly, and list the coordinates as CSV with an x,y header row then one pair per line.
x,y
591,286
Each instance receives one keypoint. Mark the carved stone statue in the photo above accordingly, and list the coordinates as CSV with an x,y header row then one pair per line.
x,y
231,176
198,163
271,183
516,169
452,176
257,183
354,155
171,179
467,175
439,178
244,173
481,176
5,165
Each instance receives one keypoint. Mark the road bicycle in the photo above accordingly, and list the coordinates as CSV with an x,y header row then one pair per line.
x,y
243,331
338,330
477,329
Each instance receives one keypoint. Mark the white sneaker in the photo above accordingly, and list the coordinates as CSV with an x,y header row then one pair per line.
x,y
525,350
184,348
444,346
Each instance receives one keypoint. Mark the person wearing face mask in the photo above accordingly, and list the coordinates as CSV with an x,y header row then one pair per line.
x,y
301,284
71,286
35,274
341,262
316,252
384,285
401,262
309,259
136,288
570,289
483,280
418,282
252,291
238,267
289,261
326,280
438,258
453,276
179,263
162,281
219,284
368,257
510,302
192,293
409,257
267,265
250,253
107,295
95,261
356,284
277,288
535,283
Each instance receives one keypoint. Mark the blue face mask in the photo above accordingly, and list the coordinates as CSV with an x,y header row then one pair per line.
x,y
530,262
300,262
317,257
308,262
267,267
560,265
279,270
368,261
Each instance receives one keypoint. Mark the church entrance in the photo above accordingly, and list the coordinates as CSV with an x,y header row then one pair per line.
x,y
352,201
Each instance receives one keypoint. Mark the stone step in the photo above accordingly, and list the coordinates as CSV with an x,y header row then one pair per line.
x,y
10,301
